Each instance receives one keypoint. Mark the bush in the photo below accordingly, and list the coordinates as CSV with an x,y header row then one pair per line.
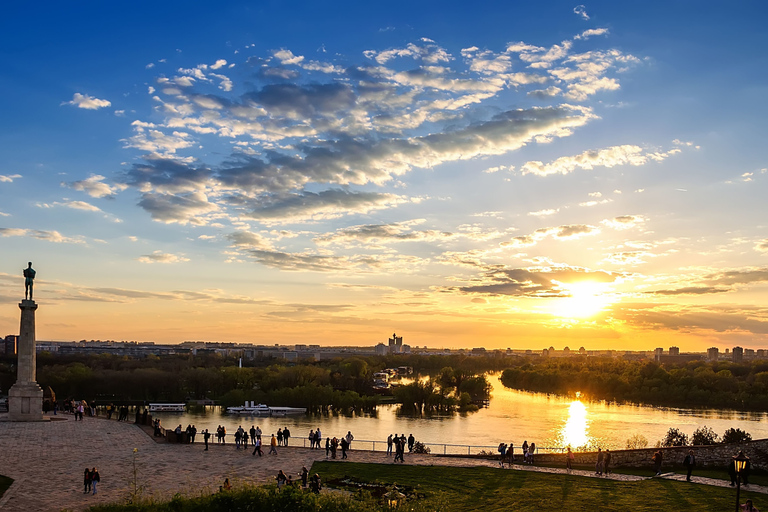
x,y
419,447
674,438
637,442
736,435
703,436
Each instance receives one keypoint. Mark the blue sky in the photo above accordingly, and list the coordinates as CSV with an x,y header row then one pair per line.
x,y
516,175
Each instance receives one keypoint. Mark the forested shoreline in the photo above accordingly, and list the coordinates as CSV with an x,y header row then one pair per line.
x,y
342,384
723,384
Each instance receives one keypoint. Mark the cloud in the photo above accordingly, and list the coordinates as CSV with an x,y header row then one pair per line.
x,y
564,232
286,57
499,280
178,208
545,94
762,245
219,64
77,205
161,257
383,233
609,157
94,186
87,102
624,221
327,204
591,32
544,213
581,11
48,236
9,178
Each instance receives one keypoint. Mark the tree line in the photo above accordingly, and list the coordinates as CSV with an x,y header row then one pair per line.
x,y
721,384
343,384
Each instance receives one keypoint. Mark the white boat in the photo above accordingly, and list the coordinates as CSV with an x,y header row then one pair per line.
x,y
253,409
167,407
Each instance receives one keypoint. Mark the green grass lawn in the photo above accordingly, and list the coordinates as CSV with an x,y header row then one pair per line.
x,y
481,489
5,483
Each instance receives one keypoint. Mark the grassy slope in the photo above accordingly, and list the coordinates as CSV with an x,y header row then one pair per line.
x,y
481,489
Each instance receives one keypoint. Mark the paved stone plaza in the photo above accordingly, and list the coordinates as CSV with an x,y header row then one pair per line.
x,y
47,459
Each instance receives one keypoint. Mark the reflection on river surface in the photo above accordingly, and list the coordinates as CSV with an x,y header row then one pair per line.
x,y
512,417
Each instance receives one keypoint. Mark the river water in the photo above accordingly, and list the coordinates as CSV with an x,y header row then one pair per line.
x,y
512,417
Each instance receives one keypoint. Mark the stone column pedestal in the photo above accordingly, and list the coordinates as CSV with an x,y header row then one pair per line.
x,y
25,398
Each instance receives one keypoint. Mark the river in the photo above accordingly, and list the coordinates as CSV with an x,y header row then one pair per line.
x,y
512,417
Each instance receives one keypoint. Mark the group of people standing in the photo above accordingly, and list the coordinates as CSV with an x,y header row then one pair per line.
x,y
332,445
312,482
399,443
122,412
91,477
507,453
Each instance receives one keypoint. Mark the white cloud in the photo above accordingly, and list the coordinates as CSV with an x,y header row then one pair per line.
x,y
286,57
591,32
581,11
544,213
87,102
94,186
624,221
762,245
9,178
48,236
608,157
161,257
219,64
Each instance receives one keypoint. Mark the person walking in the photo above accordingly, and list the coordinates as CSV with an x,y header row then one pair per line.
x,y
206,437
87,481
689,462
599,463
658,458
95,478
273,445
257,447
344,447
607,461
569,460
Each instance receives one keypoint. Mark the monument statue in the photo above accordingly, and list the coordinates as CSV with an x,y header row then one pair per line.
x,y
25,398
29,281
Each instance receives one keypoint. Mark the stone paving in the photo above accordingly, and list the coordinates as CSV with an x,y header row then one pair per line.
x,y
47,459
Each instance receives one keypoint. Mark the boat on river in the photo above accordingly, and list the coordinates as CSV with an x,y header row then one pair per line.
x,y
254,409
167,407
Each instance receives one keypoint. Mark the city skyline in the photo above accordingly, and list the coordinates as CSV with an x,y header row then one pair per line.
x,y
539,175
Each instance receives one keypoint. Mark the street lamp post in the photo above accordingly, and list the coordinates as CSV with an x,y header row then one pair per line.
x,y
739,463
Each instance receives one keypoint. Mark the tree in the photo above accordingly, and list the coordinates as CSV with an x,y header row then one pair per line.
x,y
674,438
637,442
736,435
703,436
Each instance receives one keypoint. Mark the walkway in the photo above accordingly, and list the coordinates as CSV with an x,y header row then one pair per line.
x,y
47,459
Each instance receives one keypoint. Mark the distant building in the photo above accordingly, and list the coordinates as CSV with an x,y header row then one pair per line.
x,y
738,355
9,345
761,353
658,353
566,351
674,351
381,349
582,351
545,353
713,354
749,354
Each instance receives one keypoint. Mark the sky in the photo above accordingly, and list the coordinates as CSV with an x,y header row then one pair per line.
x,y
507,175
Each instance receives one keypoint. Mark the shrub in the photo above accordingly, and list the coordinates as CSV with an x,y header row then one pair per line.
x,y
703,436
736,435
419,447
636,442
674,438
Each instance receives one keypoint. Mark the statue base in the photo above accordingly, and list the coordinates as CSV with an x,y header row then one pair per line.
x,y
25,402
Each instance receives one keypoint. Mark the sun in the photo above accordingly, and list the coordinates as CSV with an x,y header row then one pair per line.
x,y
586,299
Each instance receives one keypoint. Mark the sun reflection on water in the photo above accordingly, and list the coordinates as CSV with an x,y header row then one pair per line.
x,y
574,432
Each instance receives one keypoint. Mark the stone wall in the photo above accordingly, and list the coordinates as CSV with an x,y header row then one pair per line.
x,y
706,456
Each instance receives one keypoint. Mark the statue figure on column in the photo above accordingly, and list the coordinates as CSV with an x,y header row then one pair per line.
x,y
29,281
